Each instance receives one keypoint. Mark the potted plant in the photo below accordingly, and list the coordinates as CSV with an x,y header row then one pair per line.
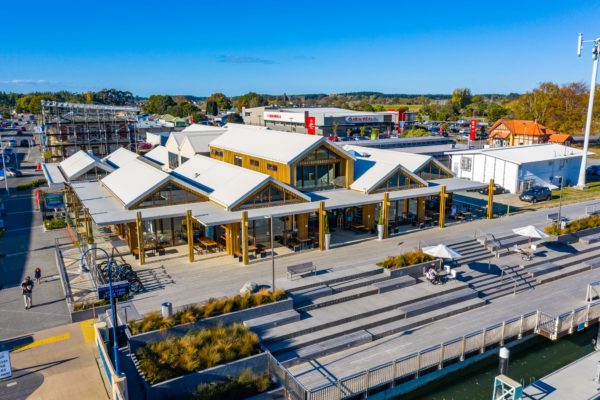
x,y
380,225
327,233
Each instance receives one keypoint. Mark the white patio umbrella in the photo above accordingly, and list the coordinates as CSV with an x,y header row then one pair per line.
x,y
530,232
441,251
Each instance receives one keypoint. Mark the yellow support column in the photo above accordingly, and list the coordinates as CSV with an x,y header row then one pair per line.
x,y
190,234
420,210
490,206
140,237
322,216
88,227
385,213
245,237
443,197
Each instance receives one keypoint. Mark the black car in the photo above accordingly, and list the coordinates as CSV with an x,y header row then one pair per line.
x,y
24,143
593,170
497,190
535,194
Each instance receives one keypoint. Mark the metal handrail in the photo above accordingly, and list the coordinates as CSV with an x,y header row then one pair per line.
x,y
510,276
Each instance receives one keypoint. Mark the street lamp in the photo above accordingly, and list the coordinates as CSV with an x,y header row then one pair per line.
x,y
5,174
588,122
113,307
270,217
558,223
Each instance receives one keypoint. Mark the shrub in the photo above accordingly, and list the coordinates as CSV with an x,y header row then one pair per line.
x,y
93,304
55,223
31,185
592,221
196,351
405,260
211,308
241,387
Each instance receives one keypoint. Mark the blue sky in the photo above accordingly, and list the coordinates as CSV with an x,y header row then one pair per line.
x,y
199,47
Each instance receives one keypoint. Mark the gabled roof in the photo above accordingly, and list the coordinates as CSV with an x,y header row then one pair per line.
x,y
136,179
374,166
79,163
560,138
202,128
159,155
226,184
195,144
526,154
281,147
522,127
120,157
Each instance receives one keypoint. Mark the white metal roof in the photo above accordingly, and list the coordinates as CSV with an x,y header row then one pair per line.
x,y
282,147
120,157
79,163
53,175
330,111
202,128
159,155
195,144
227,184
527,154
410,161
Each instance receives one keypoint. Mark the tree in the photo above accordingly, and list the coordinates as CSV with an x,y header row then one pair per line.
x,y
223,102
158,104
89,97
32,102
251,99
114,97
212,108
460,98
495,112
416,132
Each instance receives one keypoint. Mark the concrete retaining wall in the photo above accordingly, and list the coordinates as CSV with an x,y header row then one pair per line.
x,y
416,271
135,341
186,384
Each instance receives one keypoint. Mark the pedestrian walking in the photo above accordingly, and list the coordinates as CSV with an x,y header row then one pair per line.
x,y
27,288
38,275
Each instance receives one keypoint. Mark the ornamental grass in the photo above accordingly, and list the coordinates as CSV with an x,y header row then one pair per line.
x,y
405,260
213,307
592,221
196,351
241,387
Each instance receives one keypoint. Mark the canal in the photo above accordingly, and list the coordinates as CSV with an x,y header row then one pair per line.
x,y
529,361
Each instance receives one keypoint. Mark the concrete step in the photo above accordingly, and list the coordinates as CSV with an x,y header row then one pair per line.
x,y
425,318
340,297
270,321
329,278
357,283
371,321
508,290
564,272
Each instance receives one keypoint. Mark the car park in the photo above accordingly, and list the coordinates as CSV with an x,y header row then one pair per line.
x,y
9,171
535,194
497,190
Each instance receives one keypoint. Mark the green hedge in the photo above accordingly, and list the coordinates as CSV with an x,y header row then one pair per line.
x,y
154,320
196,351
575,226
32,185
241,387
94,304
55,223
405,260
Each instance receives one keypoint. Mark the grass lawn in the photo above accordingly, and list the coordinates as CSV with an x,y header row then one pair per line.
x,y
411,107
570,195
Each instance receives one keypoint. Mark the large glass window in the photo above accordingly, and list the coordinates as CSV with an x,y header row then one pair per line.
x,y
173,160
269,196
168,195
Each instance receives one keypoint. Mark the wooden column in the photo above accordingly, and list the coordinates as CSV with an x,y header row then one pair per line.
x,y
140,237
385,204
405,207
88,227
322,216
420,210
302,225
443,197
131,236
490,205
368,216
228,239
190,235
244,227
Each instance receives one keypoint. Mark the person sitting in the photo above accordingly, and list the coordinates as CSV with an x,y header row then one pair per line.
x,y
432,276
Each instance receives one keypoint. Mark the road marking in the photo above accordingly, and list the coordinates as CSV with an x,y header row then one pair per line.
x,y
87,328
11,384
43,342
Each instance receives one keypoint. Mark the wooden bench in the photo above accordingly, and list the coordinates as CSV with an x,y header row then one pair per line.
x,y
299,269
395,283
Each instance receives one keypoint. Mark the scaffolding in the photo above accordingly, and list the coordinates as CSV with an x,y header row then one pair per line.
x,y
98,129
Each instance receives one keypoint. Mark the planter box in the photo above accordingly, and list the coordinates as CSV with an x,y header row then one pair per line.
x,y
183,386
90,313
135,341
416,271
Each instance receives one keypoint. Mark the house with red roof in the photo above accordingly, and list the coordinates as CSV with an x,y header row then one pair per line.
x,y
519,132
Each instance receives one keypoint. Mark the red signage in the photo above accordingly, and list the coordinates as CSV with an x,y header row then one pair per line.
x,y
401,118
473,128
274,116
311,129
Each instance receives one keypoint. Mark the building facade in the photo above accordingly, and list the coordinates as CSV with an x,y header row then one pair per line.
x,y
514,132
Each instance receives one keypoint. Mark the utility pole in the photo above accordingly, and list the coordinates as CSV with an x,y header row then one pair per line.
x,y
581,184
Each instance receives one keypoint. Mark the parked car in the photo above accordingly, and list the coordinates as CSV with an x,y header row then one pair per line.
x,y
593,170
497,190
9,142
535,194
24,143
12,172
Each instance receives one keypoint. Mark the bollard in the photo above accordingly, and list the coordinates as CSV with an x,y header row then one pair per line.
x,y
503,364
167,309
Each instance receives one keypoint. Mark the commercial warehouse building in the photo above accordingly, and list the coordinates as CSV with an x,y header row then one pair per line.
x,y
325,121
304,185
520,167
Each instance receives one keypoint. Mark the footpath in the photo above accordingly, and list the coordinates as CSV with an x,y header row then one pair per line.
x,y
56,363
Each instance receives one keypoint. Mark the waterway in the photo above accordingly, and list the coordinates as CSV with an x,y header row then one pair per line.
x,y
529,361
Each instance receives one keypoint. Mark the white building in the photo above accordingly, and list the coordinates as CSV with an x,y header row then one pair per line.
x,y
518,168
